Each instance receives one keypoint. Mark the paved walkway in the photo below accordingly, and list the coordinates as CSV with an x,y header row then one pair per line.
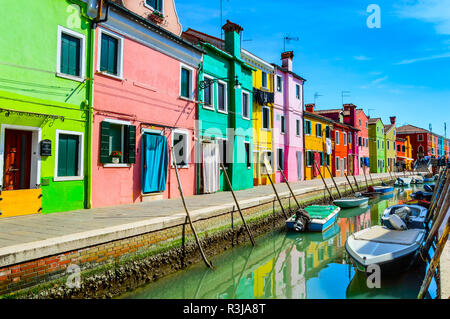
x,y
28,237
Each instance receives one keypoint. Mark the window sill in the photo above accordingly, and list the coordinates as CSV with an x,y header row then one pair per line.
x,y
188,99
180,167
246,118
223,112
71,77
68,178
209,108
115,77
117,165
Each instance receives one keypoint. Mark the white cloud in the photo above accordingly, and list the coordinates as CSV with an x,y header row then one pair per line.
x,y
436,12
362,58
428,58
379,80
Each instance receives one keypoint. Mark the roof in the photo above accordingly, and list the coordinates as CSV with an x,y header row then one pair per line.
x,y
374,120
285,70
317,116
388,127
330,111
411,129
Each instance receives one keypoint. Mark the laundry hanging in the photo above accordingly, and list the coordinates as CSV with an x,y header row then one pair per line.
x,y
155,162
210,167
329,150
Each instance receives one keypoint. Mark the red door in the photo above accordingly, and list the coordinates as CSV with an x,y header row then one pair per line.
x,y
16,172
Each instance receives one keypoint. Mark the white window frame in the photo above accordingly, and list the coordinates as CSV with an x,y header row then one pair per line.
x,y
321,130
120,39
262,114
299,91
225,97
191,82
337,137
249,154
80,176
298,128
282,124
267,82
281,83
248,105
154,9
123,123
213,93
310,128
338,163
278,158
345,138
186,133
82,38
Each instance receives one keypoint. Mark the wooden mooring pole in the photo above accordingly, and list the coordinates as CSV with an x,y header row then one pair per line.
x,y
334,182
187,213
289,186
349,182
237,204
323,180
275,190
356,183
365,177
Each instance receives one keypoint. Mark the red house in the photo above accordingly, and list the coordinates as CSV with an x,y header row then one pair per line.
x,y
420,140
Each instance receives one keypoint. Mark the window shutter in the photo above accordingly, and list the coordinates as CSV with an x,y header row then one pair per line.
x,y
130,156
104,142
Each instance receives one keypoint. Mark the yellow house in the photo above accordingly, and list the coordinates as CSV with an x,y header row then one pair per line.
x,y
262,116
318,129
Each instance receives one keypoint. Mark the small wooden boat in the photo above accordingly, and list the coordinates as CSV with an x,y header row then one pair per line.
x,y
428,179
415,215
321,218
391,250
383,189
422,195
403,181
419,202
350,202
429,187
417,179
371,194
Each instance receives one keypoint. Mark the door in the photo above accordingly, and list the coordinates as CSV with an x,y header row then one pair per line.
x,y
256,168
210,168
17,160
155,163
299,165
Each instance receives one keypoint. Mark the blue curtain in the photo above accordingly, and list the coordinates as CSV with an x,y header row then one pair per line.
x,y
367,161
155,160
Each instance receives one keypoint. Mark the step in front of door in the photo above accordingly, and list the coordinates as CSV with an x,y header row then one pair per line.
x,y
20,202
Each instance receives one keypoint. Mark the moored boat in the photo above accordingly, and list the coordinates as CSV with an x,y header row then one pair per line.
x,y
414,216
319,219
403,181
417,179
422,195
383,189
392,250
350,202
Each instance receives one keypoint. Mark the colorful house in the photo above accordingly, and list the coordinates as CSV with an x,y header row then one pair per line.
x,y
421,140
318,143
225,112
358,119
142,113
377,143
404,154
45,100
288,119
390,142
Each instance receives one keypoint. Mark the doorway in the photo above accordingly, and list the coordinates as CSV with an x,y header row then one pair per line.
x,y
17,159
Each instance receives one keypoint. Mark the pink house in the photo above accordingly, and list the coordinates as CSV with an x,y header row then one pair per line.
x,y
288,120
144,104
358,119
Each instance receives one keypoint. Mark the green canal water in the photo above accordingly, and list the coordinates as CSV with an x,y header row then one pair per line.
x,y
293,266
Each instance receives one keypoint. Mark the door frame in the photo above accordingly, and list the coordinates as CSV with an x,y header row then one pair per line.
x,y
35,169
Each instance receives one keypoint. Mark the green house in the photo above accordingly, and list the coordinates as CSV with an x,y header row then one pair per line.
x,y
44,106
390,133
377,145
225,87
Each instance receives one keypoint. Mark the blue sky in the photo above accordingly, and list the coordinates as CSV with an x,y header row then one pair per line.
x,y
402,68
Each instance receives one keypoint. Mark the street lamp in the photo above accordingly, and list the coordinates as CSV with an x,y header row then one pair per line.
x,y
208,82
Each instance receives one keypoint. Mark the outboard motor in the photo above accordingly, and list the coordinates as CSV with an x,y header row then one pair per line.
x,y
302,220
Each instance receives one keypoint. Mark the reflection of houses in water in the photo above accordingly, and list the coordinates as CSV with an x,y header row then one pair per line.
x,y
290,274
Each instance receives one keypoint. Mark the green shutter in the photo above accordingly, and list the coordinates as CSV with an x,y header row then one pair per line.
x,y
70,55
109,54
68,146
185,85
130,146
104,142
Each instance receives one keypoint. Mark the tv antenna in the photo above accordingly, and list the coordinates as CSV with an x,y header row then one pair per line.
x,y
368,111
344,94
221,18
287,39
316,96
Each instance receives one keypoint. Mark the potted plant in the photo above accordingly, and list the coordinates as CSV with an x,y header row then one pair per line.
x,y
157,16
115,156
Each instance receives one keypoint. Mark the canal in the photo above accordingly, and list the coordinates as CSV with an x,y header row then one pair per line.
x,y
293,266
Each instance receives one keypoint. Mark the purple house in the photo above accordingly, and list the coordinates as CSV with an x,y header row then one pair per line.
x,y
288,120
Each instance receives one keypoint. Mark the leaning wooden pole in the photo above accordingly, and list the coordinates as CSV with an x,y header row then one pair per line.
x,y
275,191
356,183
435,261
334,182
237,204
349,182
187,213
323,180
289,186
365,177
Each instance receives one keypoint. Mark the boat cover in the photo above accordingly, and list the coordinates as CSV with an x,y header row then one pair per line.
x,y
320,212
381,234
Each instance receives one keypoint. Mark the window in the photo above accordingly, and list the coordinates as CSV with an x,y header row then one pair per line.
x,y
180,143
349,138
297,91
71,54
328,159
420,137
360,140
319,132
337,138
388,146
264,79
222,105
309,158
279,83
297,127
398,148
208,94
245,106
266,118
307,127
223,151
345,163
247,155
186,82
155,4
378,143
69,155
117,137
280,159
328,132
111,53
359,122
403,148
345,138
283,125
321,158
337,163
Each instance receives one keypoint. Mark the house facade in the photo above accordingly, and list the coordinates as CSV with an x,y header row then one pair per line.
x,y
404,154
288,121
319,148
421,140
358,119
45,101
390,145
377,143
144,109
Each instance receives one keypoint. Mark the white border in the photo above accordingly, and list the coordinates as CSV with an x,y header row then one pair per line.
x,y
154,9
191,96
213,94
120,122
35,170
225,97
279,76
80,175
120,39
310,127
262,119
186,133
77,35
248,104
282,120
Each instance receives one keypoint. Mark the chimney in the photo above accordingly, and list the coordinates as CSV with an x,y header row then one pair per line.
x,y
286,58
352,110
393,118
233,38
310,107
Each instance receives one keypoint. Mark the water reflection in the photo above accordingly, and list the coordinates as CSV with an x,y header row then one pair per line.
x,y
290,265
